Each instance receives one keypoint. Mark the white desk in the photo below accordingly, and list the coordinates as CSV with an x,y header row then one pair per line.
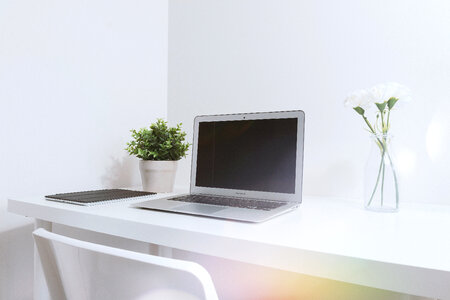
x,y
407,252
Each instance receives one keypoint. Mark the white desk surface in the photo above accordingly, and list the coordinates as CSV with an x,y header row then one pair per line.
x,y
407,252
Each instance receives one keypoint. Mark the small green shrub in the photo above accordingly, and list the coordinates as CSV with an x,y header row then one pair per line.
x,y
159,142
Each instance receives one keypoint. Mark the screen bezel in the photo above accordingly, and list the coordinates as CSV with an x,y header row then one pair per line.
x,y
288,197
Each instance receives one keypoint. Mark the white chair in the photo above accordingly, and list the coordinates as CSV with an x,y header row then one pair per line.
x,y
81,270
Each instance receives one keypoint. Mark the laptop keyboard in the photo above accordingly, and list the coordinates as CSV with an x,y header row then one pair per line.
x,y
231,202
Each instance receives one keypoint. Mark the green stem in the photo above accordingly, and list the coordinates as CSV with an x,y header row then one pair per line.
x,y
373,131
387,122
383,148
382,182
392,164
384,141
395,179
378,179
368,124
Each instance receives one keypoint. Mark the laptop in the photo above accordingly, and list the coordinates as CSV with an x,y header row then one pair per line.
x,y
246,167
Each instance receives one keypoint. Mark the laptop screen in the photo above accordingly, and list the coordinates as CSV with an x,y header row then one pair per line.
x,y
253,155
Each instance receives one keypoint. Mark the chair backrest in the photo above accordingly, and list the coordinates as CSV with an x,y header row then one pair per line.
x,y
81,270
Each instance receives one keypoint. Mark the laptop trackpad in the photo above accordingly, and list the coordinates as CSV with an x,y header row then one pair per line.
x,y
198,208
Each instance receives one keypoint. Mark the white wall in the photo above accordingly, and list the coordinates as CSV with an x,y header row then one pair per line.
x,y
252,55
244,56
75,77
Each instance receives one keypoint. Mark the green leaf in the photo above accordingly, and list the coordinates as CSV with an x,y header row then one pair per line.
x,y
158,142
381,106
391,102
359,110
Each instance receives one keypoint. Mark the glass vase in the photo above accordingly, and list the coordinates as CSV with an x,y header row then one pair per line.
x,y
381,182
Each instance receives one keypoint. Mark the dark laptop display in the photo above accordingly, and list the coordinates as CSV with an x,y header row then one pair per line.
x,y
253,155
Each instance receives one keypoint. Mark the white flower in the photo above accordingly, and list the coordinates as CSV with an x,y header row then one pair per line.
x,y
360,98
383,98
378,92
401,92
383,92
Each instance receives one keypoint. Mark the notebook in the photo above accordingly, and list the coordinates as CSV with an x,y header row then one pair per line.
x,y
96,197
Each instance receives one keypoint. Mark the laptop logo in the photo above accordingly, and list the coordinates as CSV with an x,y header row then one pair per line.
x,y
240,193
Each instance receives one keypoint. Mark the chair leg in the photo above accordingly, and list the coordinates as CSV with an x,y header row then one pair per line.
x,y
40,289
159,250
165,251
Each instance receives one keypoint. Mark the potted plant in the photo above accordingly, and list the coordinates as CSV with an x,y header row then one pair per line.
x,y
159,147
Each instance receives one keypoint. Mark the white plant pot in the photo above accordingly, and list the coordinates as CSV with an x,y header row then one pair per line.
x,y
158,175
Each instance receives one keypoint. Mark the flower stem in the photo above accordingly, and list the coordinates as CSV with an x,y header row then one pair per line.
x,y
378,179
395,179
382,182
368,124
373,131
382,123
384,141
387,122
